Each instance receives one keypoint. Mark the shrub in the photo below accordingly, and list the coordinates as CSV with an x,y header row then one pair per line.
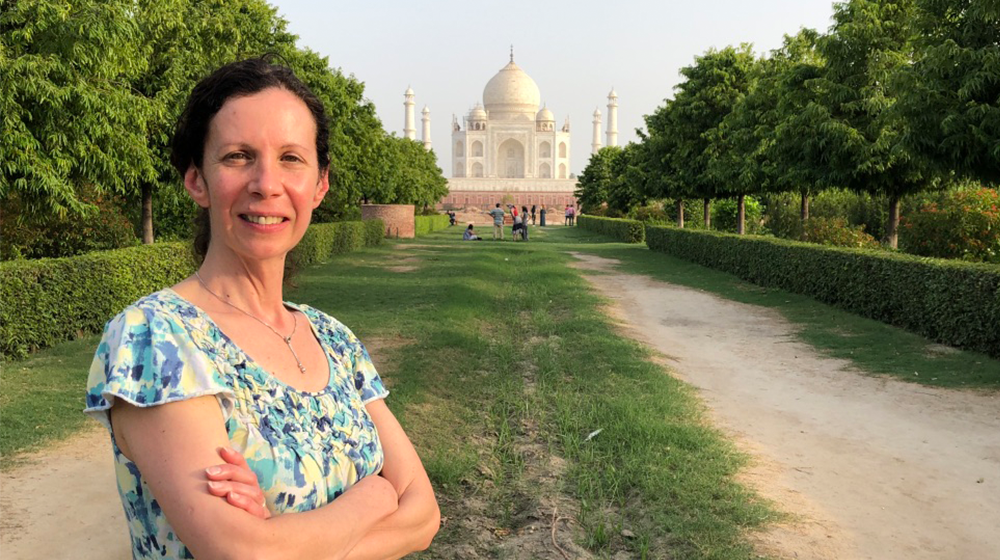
x,y
952,302
30,236
629,231
963,224
652,214
724,215
782,215
47,301
836,232
425,224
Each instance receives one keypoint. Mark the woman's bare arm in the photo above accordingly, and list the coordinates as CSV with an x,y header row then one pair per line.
x,y
173,444
414,524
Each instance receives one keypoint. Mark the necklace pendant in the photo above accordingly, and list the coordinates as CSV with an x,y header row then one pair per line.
x,y
302,368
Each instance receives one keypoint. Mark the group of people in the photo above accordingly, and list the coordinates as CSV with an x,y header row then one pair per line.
x,y
519,220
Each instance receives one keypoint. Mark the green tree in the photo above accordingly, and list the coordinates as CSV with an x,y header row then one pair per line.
x,y
594,182
871,40
70,120
716,82
950,96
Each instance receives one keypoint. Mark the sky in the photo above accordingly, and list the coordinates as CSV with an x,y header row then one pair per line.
x,y
576,51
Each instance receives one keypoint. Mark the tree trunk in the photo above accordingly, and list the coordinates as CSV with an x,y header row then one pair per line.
x,y
147,213
680,212
892,228
741,214
708,213
805,206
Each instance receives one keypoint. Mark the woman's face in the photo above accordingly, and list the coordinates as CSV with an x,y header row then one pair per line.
x,y
259,176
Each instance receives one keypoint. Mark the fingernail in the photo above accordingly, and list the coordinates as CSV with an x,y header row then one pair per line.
x,y
214,484
213,470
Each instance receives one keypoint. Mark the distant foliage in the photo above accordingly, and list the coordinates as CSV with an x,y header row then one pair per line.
x,y
963,224
38,235
724,215
425,224
837,232
652,214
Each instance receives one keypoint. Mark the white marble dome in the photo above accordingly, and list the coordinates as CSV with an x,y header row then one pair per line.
x,y
477,113
545,115
511,92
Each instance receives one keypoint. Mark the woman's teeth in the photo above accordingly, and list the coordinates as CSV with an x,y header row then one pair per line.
x,y
263,220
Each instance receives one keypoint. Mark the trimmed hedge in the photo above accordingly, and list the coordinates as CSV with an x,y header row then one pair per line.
x,y
47,301
423,225
629,231
322,241
952,302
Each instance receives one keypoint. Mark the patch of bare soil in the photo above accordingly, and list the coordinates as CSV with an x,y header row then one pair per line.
x,y
870,467
62,502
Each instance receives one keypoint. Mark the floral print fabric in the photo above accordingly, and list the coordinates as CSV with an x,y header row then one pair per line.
x,y
306,448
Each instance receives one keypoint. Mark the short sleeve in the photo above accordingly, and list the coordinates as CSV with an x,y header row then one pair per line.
x,y
366,380
147,358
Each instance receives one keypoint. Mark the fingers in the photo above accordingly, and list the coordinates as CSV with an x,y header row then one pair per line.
x,y
251,506
231,472
247,498
233,457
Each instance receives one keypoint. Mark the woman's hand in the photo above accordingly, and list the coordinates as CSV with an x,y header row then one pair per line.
x,y
234,481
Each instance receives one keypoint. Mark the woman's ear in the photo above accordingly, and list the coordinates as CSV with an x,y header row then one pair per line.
x,y
322,187
194,184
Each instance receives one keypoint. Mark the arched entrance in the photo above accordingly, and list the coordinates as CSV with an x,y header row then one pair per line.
x,y
510,160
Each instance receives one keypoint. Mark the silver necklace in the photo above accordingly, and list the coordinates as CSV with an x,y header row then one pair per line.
x,y
286,339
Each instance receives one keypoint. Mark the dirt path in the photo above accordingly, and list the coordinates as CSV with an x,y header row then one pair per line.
x,y
63,503
874,468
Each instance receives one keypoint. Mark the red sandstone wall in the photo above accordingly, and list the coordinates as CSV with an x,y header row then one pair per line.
x,y
486,200
398,218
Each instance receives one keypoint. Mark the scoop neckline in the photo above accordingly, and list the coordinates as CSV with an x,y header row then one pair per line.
x,y
250,359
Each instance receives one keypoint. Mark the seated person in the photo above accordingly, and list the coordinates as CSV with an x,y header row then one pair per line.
x,y
470,235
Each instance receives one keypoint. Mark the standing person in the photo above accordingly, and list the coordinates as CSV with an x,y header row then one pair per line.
x,y
313,463
532,214
498,215
572,215
524,221
541,216
566,219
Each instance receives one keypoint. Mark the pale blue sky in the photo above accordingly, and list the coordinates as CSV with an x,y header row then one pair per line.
x,y
575,52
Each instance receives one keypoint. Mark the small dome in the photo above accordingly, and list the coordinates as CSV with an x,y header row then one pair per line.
x,y
613,93
426,110
409,91
597,112
477,113
512,91
545,115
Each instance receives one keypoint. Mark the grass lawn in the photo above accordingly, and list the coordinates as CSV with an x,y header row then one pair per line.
x,y
501,365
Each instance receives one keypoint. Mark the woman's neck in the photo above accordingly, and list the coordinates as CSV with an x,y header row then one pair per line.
x,y
253,286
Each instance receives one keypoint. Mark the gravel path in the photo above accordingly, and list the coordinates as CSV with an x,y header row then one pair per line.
x,y
872,467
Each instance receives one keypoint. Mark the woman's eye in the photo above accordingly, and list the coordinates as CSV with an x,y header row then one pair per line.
x,y
291,157
237,156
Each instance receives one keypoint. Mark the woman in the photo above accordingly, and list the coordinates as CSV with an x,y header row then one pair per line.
x,y
218,365
541,217
470,234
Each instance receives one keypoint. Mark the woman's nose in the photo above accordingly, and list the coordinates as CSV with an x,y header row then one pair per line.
x,y
266,180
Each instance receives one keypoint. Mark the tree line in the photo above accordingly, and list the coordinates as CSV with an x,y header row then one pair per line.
x,y
90,91
899,97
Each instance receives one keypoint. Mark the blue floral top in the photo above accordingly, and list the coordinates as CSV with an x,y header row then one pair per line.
x,y
306,448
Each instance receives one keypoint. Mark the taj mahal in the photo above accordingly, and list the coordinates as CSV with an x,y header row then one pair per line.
x,y
508,148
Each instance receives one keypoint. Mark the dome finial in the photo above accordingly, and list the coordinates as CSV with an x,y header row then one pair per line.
x,y
512,53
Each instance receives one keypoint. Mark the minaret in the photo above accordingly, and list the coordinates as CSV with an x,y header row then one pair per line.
x,y
595,146
612,118
410,127
425,118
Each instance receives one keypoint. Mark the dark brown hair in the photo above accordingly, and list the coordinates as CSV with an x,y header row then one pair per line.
x,y
236,79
